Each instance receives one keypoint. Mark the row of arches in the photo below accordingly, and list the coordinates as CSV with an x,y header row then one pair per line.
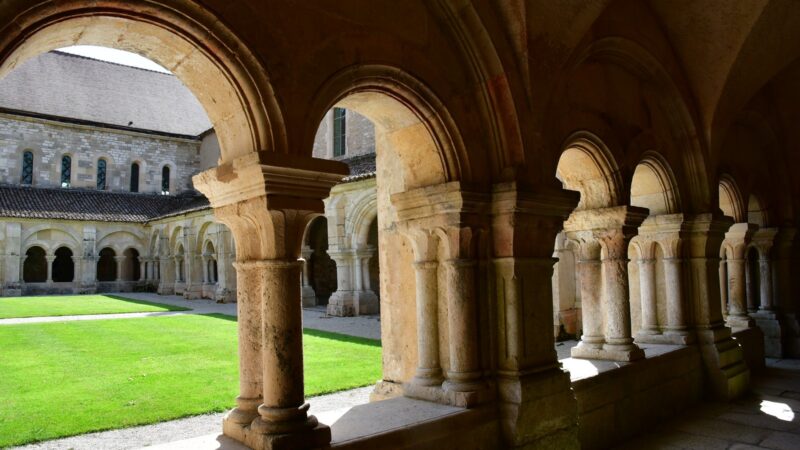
x,y
38,267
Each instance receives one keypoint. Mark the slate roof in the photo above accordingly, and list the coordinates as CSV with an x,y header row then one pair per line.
x,y
361,167
75,87
85,204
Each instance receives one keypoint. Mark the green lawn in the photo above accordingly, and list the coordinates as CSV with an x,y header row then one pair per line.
x,y
68,378
75,305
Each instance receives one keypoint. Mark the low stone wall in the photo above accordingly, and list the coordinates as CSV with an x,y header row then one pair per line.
x,y
752,342
618,404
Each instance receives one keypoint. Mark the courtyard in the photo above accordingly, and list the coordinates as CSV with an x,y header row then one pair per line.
x,y
138,362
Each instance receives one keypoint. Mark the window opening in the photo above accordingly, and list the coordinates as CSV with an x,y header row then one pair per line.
x,y
135,177
66,171
27,168
101,174
339,132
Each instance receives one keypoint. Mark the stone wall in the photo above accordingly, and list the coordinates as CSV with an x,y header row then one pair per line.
x,y
359,135
50,140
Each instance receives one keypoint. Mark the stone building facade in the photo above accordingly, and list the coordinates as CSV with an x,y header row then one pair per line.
x,y
77,217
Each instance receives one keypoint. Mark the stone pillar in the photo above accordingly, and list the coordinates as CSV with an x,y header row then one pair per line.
x,y
206,274
647,289
309,297
142,269
50,259
537,405
267,205
590,283
178,275
166,284
612,228
364,299
13,264
619,344
723,286
677,321
736,240
341,302
726,371
767,317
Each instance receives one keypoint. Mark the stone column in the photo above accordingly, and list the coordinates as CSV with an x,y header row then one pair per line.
x,y
267,205
206,274
309,296
166,284
619,344
178,274
736,240
612,229
677,323
364,299
464,374
119,260
723,285
13,263
590,283
647,289
50,259
765,272
726,371
767,317
142,269
340,302
530,379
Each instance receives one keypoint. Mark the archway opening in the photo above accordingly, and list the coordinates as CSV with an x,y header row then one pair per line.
x,y
131,268
63,266
34,269
107,265
321,268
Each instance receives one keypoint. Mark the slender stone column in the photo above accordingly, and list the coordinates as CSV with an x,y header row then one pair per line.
x,y
737,239
206,277
429,372
50,259
723,286
178,274
677,323
464,374
590,280
309,296
248,310
647,289
142,269
765,270
340,302
119,260
619,342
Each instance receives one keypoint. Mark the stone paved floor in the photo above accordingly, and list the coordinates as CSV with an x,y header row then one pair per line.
x,y
327,408
767,418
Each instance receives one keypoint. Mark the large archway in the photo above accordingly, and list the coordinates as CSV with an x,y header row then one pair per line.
x,y
63,266
34,269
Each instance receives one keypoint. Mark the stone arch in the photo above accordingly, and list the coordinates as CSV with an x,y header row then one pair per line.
x,y
362,214
586,165
410,121
757,212
679,115
119,240
130,270
57,236
107,265
175,239
202,236
191,42
63,270
653,186
34,268
731,201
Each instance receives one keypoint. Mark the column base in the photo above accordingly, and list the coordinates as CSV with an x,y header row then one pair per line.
x,y
608,352
165,290
773,331
309,296
737,323
366,303
341,304
317,437
725,366
193,291
466,390
385,390
538,410
666,338
225,295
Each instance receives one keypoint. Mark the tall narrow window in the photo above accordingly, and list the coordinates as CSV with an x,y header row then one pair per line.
x,y
165,180
66,171
101,174
339,133
27,168
135,177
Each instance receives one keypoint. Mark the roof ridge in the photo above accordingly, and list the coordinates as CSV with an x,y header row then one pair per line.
x,y
72,55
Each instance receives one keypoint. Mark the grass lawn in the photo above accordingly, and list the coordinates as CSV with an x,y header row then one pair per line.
x,y
75,305
68,378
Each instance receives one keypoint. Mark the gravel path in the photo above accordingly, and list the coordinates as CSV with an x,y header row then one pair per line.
x,y
327,408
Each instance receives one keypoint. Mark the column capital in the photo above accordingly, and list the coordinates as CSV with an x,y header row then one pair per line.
x,y
738,237
119,258
763,240
525,221
267,199
50,258
704,234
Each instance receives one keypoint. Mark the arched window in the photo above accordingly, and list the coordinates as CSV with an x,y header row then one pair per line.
x,y
339,132
27,168
101,174
135,177
165,180
66,171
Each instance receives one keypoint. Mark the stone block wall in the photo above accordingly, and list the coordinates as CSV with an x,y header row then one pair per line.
x,y
50,140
